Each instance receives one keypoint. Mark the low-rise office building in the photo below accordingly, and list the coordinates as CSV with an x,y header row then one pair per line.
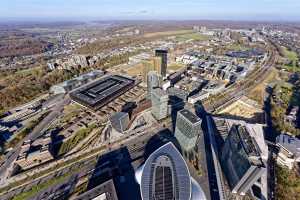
x,y
74,83
120,121
289,150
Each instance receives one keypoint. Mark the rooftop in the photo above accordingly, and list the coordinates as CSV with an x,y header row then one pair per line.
x,y
290,143
105,191
102,90
190,116
165,174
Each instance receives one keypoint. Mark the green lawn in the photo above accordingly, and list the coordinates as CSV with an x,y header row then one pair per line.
x,y
293,59
74,140
37,188
291,55
193,36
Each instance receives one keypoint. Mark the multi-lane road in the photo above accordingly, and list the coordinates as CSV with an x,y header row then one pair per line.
x,y
233,93
135,143
10,158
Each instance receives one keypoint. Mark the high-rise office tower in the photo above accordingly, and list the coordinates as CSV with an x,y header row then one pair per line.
x,y
147,66
159,100
154,64
165,176
157,61
163,54
241,161
153,81
188,129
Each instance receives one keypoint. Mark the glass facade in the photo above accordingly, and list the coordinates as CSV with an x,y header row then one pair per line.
x,y
159,100
188,129
165,176
163,54
236,164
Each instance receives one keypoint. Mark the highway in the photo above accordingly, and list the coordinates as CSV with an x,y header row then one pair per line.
x,y
135,143
135,140
10,158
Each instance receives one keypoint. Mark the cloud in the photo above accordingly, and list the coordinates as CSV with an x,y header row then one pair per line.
x,y
136,12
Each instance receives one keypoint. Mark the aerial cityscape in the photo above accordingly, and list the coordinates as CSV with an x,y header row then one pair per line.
x,y
158,100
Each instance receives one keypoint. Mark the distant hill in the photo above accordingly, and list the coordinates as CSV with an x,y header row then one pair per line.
x,y
22,47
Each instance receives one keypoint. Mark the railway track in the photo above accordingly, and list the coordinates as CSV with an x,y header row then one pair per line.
x,y
240,89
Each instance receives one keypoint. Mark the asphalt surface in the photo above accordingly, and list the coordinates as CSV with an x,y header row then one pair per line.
x,y
37,132
58,108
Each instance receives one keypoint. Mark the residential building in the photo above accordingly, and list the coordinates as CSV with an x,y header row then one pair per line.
x,y
157,63
153,64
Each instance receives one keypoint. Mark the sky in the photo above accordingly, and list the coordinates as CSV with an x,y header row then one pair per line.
x,y
271,10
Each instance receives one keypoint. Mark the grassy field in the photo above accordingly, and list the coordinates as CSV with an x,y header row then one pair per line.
x,y
37,188
193,36
175,66
74,140
135,70
257,93
71,111
168,33
290,54
237,47
293,59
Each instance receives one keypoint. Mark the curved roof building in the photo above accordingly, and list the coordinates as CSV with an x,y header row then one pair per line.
x,y
165,176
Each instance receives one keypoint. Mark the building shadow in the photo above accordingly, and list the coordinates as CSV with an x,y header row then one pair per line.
x,y
129,108
57,141
116,165
158,140
5,135
257,118
211,189
176,104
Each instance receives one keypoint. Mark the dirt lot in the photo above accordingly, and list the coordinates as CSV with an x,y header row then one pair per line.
x,y
243,108
257,93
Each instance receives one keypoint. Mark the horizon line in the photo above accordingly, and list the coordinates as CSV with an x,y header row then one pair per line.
x,y
67,20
